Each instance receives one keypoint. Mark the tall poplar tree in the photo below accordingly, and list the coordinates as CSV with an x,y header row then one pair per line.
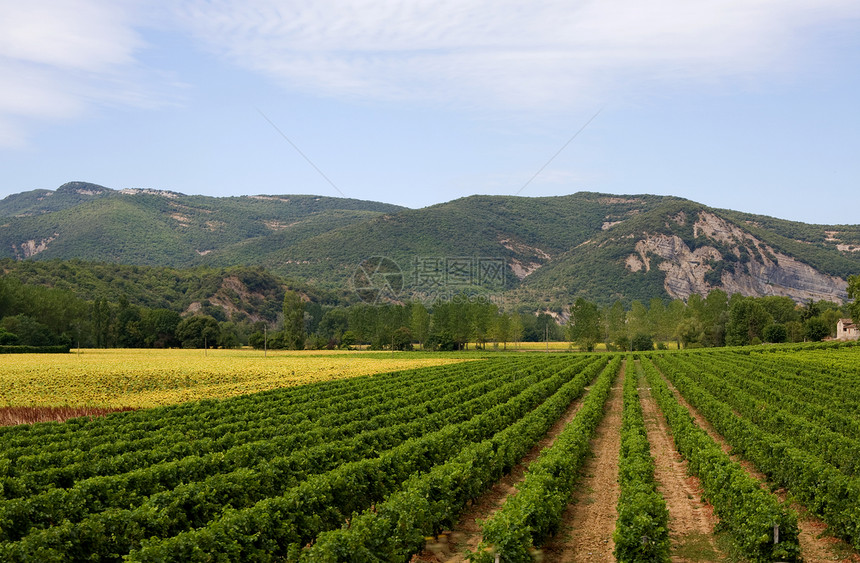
x,y
294,321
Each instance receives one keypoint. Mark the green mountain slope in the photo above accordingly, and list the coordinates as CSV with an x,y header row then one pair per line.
x,y
524,232
682,247
548,250
149,227
36,202
236,293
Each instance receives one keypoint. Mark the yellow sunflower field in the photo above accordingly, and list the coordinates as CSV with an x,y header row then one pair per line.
x,y
117,378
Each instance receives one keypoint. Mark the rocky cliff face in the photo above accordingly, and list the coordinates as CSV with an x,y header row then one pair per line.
x,y
529,258
735,261
30,248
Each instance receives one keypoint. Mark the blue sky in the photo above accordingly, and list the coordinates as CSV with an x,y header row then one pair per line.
x,y
745,104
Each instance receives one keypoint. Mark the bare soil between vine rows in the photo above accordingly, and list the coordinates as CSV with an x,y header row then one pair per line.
x,y
452,545
815,544
585,534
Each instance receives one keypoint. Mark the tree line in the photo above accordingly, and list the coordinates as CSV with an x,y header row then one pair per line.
x,y
33,315
710,321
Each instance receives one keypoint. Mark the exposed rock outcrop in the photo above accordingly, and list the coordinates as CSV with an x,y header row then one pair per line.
x,y
521,270
530,258
755,269
150,191
31,247
83,188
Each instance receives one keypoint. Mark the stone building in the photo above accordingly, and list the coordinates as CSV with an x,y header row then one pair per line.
x,y
847,330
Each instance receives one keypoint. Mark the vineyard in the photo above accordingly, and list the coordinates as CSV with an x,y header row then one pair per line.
x,y
558,457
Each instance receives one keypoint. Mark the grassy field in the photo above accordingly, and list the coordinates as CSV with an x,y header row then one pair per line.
x,y
119,378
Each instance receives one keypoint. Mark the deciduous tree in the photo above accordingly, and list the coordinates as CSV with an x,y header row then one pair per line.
x,y
294,321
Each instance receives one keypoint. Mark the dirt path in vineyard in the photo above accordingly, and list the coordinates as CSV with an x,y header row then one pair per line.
x,y
814,545
691,521
451,546
586,528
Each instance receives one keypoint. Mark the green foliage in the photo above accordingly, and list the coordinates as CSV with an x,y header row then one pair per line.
x,y
159,326
228,335
16,349
258,447
584,326
854,293
642,343
782,309
7,338
154,287
420,322
198,331
163,228
815,329
365,469
258,340
430,502
747,321
317,508
642,528
326,238
744,508
28,332
539,327
294,333
402,339
791,440
334,323
529,517
775,333
690,332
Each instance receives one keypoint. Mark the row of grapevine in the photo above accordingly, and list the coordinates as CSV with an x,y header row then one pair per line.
x,y
753,516
198,417
737,392
395,529
820,486
278,527
642,527
776,380
814,383
840,363
260,470
294,496
534,512
245,447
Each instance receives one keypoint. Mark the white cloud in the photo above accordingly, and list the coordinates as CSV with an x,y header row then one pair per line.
x,y
58,58
507,53
83,35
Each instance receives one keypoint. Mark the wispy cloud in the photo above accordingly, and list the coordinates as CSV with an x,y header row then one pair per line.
x,y
510,54
58,58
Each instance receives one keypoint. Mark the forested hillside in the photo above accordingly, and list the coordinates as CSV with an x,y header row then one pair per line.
x,y
552,250
152,227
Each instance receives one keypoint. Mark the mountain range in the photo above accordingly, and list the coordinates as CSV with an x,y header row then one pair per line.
x,y
542,250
